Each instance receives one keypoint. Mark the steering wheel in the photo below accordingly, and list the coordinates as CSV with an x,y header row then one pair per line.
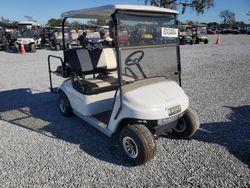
x,y
134,61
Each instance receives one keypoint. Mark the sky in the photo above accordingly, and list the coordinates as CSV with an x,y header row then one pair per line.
x,y
43,10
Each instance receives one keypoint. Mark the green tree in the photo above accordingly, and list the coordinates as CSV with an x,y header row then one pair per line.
x,y
198,5
228,18
75,25
213,25
101,21
91,22
56,22
248,14
4,21
30,18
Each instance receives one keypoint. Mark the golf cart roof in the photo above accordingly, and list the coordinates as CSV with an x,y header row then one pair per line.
x,y
29,23
199,25
59,27
108,10
185,25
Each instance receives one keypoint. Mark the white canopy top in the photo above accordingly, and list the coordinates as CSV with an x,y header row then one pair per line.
x,y
108,10
29,23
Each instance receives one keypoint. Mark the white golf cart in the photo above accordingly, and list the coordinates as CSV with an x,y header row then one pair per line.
x,y
131,90
28,35
55,40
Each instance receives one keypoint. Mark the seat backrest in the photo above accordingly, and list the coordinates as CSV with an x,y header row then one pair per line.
x,y
107,59
83,61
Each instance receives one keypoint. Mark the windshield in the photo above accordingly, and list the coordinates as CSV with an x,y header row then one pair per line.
x,y
57,31
189,31
150,48
202,30
185,30
25,31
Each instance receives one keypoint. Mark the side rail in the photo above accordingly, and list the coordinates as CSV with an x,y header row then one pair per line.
x,y
52,90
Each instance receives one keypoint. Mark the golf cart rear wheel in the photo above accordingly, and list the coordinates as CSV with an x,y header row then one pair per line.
x,y
138,143
205,41
187,125
64,105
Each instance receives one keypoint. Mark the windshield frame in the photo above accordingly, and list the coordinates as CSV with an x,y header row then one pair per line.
x,y
31,30
118,47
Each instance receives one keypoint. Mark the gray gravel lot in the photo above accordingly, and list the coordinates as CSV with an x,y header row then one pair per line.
x,y
40,148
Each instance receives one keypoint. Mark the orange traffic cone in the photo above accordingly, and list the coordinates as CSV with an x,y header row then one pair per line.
x,y
218,40
21,48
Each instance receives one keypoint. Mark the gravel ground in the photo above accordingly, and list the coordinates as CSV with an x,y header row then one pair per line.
x,y
40,148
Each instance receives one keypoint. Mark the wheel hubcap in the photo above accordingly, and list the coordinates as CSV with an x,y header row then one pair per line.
x,y
130,147
181,126
62,105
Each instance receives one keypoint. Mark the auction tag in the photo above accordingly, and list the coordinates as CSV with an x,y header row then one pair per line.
x,y
169,32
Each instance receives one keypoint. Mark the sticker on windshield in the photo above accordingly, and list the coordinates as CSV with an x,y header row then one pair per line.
x,y
169,32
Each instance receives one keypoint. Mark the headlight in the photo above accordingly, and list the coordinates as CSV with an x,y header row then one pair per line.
x,y
174,110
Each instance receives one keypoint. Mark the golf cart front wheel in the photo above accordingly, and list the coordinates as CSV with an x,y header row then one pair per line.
x,y
64,105
138,143
187,125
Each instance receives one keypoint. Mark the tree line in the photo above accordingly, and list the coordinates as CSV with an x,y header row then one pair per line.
x,y
198,6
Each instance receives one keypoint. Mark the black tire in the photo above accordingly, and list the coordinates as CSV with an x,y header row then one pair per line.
x,y
57,47
191,42
187,125
7,48
64,105
205,41
2,48
51,45
197,41
138,143
33,48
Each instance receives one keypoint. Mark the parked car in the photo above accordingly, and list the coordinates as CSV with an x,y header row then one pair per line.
x,y
248,30
230,31
211,32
